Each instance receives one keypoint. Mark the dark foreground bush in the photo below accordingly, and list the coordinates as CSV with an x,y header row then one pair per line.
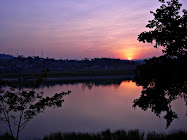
x,y
118,135
104,135
6,136
108,135
175,135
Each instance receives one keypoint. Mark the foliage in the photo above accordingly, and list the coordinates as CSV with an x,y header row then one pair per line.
x,y
27,67
164,78
6,136
180,135
118,135
169,29
163,81
103,135
19,107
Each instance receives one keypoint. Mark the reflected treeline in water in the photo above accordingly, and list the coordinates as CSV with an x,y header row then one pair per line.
x,y
18,107
163,80
101,83
85,83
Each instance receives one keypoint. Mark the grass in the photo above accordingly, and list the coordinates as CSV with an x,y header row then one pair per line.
x,y
108,135
118,135
6,136
175,135
104,135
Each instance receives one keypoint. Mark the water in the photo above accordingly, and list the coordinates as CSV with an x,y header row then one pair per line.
x,y
96,107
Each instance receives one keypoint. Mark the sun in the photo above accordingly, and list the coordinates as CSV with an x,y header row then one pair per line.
x,y
129,58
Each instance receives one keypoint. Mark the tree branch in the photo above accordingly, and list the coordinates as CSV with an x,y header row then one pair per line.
x,y
6,114
18,129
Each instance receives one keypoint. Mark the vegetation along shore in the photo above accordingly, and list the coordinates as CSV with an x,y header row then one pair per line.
x,y
108,135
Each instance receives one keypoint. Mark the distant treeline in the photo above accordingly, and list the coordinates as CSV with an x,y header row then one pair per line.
x,y
36,64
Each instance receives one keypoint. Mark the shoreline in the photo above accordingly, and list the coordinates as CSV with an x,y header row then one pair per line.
x,y
76,78
119,134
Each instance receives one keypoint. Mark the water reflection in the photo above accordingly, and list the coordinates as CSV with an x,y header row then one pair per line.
x,y
87,83
104,106
162,84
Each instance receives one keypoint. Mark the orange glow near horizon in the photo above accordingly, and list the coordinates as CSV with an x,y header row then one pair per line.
x,y
127,54
77,30
140,52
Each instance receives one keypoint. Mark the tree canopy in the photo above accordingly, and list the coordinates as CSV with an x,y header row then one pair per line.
x,y
164,78
162,84
168,29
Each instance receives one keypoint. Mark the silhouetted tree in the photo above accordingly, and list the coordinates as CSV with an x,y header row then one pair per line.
x,y
164,78
19,107
162,84
169,29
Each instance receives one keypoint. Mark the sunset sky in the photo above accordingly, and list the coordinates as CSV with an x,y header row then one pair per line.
x,y
76,29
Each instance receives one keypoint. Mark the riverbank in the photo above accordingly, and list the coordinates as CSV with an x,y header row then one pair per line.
x,y
87,80
71,76
108,135
118,135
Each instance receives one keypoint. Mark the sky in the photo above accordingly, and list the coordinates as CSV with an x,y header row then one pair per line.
x,y
77,29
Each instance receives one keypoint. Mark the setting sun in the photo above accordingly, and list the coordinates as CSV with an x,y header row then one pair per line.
x,y
128,54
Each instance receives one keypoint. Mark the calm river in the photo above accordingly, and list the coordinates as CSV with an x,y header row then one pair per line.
x,y
95,107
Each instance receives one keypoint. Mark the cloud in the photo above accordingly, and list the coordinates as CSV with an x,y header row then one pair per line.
x,y
76,28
